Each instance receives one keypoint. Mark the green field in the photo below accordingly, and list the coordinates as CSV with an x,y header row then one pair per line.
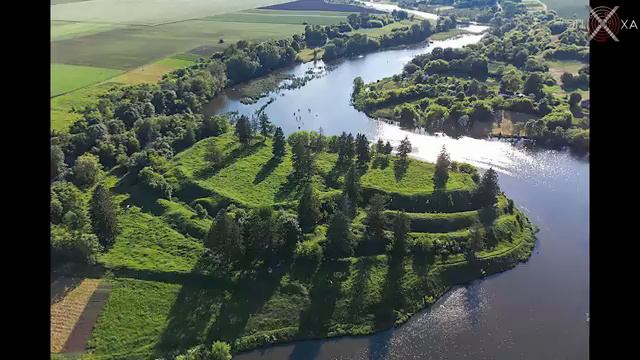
x,y
61,30
132,47
66,78
283,17
149,12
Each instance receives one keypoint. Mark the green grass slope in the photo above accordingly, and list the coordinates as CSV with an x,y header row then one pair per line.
x,y
165,299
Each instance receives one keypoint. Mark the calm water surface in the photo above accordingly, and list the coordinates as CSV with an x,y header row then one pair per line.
x,y
535,311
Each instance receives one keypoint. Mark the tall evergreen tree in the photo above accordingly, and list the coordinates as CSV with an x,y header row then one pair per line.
x,y
225,238
401,227
349,147
488,188
278,143
308,209
380,146
346,150
375,237
339,238
302,161
443,162
104,219
404,149
265,124
352,186
244,130
362,149
388,148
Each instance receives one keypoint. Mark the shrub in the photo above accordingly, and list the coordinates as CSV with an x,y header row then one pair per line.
x,y
68,246
308,253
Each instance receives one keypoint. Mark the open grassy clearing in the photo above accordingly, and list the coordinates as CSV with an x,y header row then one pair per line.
x,y
282,17
149,243
378,32
417,180
149,12
253,179
133,319
557,68
307,54
447,34
152,73
66,78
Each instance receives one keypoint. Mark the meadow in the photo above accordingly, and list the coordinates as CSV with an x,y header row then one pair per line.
x,y
66,78
149,12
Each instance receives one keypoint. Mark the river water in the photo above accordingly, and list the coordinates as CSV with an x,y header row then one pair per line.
x,y
537,310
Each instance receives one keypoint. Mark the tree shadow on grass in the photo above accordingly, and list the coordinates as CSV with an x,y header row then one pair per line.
x,y
290,187
487,215
210,308
331,179
315,320
267,169
251,292
380,161
198,301
400,169
233,156
357,289
392,297
139,195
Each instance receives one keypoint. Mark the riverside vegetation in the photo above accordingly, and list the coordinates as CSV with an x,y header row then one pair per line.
x,y
502,86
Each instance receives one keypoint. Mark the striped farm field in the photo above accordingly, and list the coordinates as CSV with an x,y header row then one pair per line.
x,y
66,312
66,78
131,47
61,30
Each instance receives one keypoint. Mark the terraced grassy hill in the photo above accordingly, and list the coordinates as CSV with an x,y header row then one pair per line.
x,y
167,295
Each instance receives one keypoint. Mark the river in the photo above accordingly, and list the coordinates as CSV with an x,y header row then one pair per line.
x,y
537,310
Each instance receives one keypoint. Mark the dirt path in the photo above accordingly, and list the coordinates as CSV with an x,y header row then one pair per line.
x,y
66,312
